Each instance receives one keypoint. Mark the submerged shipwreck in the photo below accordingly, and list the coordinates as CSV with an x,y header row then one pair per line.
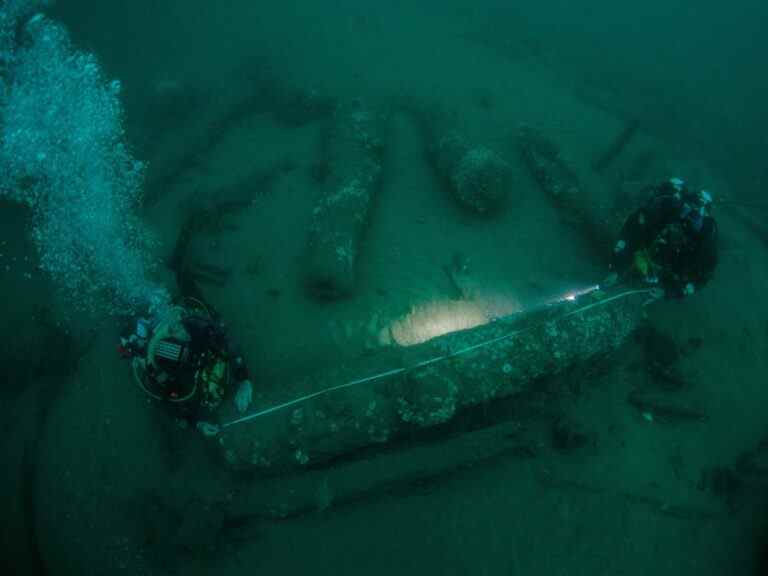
x,y
400,390
416,410
410,414
416,407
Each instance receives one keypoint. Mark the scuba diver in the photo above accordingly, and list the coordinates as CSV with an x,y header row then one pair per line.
x,y
670,242
186,359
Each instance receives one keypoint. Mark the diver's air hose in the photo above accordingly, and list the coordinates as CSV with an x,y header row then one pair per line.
x,y
434,360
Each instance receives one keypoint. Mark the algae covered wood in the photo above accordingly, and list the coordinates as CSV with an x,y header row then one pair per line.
x,y
478,178
559,181
350,171
402,389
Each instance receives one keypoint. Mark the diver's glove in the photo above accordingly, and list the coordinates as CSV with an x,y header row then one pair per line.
x,y
208,429
244,395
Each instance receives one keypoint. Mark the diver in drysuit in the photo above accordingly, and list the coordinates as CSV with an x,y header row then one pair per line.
x,y
187,359
670,242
